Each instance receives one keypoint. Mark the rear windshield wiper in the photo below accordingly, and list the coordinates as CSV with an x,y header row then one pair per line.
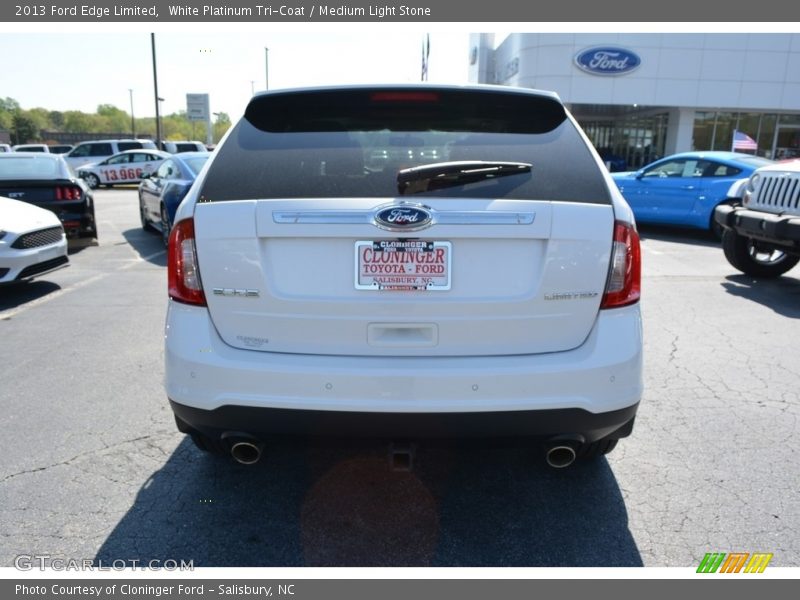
x,y
426,178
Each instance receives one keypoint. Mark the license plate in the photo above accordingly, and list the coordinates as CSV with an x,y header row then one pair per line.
x,y
403,265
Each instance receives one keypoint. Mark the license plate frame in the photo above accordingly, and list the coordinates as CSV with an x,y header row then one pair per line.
x,y
430,269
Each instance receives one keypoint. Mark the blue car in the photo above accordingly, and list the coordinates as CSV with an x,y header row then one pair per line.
x,y
161,191
684,189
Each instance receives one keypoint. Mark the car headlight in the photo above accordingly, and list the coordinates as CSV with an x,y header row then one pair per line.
x,y
750,188
751,185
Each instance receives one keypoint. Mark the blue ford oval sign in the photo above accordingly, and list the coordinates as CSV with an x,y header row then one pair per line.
x,y
403,217
607,60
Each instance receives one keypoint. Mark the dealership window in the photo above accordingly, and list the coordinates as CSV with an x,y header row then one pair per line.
x,y
766,135
703,130
723,131
787,137
777,136
628,141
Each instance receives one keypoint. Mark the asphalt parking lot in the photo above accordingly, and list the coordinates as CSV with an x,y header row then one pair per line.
x,y
94,468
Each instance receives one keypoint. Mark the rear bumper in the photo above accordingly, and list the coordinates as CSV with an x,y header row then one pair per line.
x,y
76,217
214,386
578,424
782,230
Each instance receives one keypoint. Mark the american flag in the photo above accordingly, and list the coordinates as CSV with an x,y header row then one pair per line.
x,y
742,141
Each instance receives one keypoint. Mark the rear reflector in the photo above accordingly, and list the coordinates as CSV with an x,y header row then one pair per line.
x,y
625,276
183,275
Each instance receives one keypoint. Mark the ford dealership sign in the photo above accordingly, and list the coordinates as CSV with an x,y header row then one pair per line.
x,y
607,60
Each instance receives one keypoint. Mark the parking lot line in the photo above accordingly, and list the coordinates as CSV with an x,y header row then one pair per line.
x,y
4,316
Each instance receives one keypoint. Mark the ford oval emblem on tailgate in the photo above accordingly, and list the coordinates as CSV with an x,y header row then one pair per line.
x,y
403,217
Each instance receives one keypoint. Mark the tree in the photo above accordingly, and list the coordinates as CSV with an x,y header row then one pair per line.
x,y
24,129
40,117
8,107
77,122
221,125
113,118
56,119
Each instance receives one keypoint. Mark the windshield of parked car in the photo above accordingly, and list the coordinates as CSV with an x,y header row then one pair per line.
x,y
29,167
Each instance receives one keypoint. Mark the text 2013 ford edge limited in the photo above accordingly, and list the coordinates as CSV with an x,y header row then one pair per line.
x,y
405,262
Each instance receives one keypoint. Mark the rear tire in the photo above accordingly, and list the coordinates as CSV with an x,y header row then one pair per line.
x,y
754,259
165,226
715,228
143,217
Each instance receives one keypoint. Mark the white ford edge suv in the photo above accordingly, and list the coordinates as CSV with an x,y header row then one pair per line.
x,y
405,262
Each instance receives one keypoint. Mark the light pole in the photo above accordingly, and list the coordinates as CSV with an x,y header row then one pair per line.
x,y
266,68
159,124
133,122
155,87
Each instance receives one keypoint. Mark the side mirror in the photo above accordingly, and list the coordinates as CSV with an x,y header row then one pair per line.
x,y
639,174
145,176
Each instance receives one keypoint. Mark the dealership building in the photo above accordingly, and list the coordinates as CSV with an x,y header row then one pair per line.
x,y
643,96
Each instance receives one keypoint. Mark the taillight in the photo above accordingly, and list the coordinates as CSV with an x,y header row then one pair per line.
x,y
625,277
68,192
183,275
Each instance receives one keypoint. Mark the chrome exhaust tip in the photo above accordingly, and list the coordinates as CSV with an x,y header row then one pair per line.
x,y
246,453
560,457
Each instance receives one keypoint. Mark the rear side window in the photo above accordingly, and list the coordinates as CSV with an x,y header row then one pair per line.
x,y
129,146
100,149
353,143
81,150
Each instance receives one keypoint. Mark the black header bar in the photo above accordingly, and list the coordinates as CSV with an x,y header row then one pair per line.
x,y
411,11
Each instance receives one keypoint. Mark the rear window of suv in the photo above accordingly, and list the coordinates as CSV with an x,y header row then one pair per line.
x,y
353,143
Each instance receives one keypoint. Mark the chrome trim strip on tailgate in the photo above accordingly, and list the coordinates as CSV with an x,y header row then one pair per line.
x,y
358,217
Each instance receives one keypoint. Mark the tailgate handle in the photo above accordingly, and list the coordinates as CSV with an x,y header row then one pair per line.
x,y
403,335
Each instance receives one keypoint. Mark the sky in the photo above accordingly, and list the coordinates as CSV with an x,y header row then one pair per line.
x,y
79,71
41,66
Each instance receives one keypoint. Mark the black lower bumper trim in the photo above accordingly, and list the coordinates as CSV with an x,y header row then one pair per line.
x,y
269,422
782,230
43,267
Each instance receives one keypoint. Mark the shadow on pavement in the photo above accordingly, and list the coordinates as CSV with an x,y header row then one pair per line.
x,y
148,244
341,505
13,295
678,235
781,294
